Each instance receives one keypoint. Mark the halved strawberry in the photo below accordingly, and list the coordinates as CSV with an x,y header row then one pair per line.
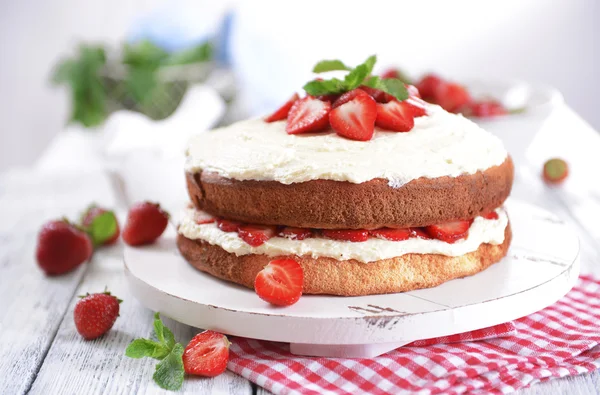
x,y
354,235
450,232
396,116
202,217
451,97
206,354
428,86
295,233
355,119
283,111
228,226
555,171
490,215
378,95
280,282
419,233
346,97
412,90
391,234
256,235
418,106
330,98
308,115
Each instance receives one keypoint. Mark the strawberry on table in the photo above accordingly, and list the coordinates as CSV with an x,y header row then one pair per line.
x,y
62,247
392,234
95,314
450,232
280,282
355,119
101,224
283,111
308,115
354,235
206,354
555,171
145,223
295,233
256,235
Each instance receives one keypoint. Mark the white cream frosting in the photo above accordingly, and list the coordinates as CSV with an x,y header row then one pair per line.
x,y
440,144
482,231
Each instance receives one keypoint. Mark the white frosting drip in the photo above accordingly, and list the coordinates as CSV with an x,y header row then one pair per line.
x,y
482,231
440,144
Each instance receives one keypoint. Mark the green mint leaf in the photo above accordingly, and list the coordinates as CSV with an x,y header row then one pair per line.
x,y
355,78
370,63
325,87
102,228
169,338
140,348
169,372
159,329
393,86
196,54
330,65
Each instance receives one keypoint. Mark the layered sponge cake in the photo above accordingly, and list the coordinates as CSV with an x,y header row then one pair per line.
x,y
378,192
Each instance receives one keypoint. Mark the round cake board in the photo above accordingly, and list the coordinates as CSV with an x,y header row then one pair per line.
x,y
542,265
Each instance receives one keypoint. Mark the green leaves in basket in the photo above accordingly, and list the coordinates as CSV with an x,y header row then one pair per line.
x,y
82,75
357,76
197,54
169,372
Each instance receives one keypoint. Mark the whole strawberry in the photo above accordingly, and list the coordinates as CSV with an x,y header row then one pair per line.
x,y
62,247
146,222
95,314
101,224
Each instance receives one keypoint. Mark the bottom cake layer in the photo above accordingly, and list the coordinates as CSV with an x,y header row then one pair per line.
x,y
348,278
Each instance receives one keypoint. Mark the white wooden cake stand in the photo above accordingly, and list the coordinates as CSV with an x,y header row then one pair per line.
x,y
542,265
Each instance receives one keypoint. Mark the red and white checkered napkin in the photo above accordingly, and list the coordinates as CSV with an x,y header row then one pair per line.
x,y
558,341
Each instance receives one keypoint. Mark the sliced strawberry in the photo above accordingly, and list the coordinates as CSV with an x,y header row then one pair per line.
x,y
412,90
280,282
419,233
228,226
354,235
282,112
202,217
330,98
390,73
418,106
308,115
428,86
483,109
379,95
295,233
396,116
555,171
355,119
449,232
206,354
490,215
256,235
346,97
392,234
451,97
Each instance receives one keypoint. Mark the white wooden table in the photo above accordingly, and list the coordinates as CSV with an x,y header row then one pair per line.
x,y
40,350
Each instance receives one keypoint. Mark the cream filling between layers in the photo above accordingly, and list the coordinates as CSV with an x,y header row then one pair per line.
x,y
482,231
440,144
